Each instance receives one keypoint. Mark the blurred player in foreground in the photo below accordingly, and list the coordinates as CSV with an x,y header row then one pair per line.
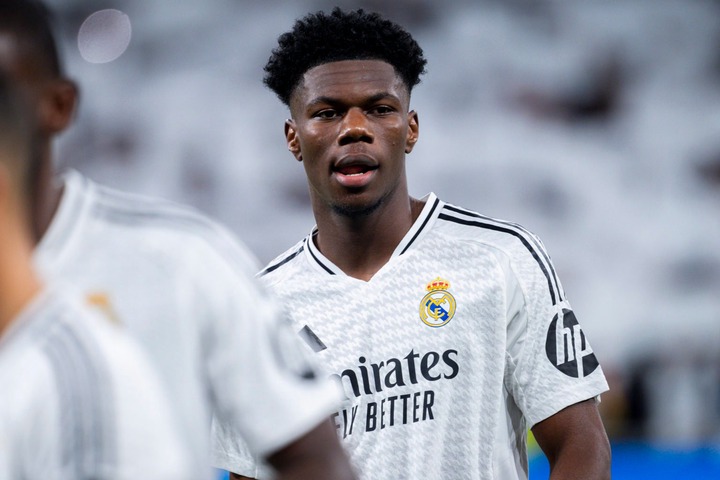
x,y
79,399
177,282
449,330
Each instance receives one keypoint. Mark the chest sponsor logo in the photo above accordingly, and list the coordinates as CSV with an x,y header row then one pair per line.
x,y
437,307
393,392
567,348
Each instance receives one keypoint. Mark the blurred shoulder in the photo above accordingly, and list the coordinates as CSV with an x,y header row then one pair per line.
x,y
177,229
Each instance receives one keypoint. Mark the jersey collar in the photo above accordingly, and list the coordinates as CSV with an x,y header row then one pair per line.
x,y
74,205
433,206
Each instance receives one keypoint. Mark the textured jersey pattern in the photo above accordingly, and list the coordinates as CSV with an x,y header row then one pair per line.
x,y
429,348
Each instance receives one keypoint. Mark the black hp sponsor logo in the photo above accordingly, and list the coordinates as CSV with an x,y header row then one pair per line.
x,y
567,348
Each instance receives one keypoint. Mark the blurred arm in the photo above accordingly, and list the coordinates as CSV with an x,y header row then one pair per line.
x,y
317,455
575,443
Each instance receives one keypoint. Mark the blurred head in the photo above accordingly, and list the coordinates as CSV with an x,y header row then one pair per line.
x,y
29,57
18,282
347,79
320,38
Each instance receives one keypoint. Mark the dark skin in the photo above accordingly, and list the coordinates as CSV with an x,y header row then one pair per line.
x,y
18,282
575,443
54,99
318,453
351,128
318,456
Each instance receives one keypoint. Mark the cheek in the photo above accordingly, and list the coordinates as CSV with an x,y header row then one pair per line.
x,y
315,140
396,136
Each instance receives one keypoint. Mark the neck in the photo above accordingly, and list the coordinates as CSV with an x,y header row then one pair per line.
x,y
18,282
48,193
360,246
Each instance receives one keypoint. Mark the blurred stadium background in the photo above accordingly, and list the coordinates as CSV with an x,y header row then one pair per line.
x,y
595,124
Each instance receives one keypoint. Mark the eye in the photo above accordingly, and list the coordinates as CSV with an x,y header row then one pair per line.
x,y
326,114
382,110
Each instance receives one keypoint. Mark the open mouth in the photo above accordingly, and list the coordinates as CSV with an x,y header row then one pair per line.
x,y
354,170
354,174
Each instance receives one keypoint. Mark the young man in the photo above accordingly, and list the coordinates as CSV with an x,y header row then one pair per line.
x,y
179,283
79,400
449,331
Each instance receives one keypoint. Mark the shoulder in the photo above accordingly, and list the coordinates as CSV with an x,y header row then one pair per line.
x,y
90,380
503,234
173,228
284,264
523,250
517,242
127,408
58,336
142,212
79,345
98,363
56,363
27,372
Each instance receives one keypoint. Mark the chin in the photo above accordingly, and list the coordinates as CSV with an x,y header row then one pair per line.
x,y
355,210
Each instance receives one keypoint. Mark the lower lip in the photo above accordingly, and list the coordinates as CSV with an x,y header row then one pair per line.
x,y
354,181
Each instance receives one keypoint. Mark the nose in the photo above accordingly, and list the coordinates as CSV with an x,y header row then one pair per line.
x,y
355,128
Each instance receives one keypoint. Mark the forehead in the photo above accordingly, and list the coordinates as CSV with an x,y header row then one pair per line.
x,y
348,79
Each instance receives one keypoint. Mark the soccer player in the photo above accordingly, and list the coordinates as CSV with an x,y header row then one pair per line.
x,y
177,282
449,330
79,399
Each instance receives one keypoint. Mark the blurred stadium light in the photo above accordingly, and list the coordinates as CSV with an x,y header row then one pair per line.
x,y
104,36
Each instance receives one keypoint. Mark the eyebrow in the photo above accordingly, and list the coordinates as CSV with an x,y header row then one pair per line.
x,y
334,101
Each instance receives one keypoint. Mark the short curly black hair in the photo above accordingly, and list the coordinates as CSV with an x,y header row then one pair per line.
x,y
320,38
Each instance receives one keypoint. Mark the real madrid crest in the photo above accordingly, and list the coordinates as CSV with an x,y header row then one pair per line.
x,y
438,306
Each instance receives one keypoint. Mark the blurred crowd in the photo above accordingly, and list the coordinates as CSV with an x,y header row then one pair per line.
x,y
594,124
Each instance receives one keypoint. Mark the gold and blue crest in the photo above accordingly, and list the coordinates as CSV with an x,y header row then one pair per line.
x,y
437,307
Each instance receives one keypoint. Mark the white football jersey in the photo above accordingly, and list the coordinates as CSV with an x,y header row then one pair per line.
x,y
80,400
185,289
458,345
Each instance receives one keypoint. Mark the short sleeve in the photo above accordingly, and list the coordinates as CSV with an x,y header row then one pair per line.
x,y
550,363
267,389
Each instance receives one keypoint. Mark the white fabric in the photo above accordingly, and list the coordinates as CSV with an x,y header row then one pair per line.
x,y
442,399
183,287
80,400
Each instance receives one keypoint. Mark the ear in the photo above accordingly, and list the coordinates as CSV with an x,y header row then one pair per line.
x,y
57,105
413,131
293,142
